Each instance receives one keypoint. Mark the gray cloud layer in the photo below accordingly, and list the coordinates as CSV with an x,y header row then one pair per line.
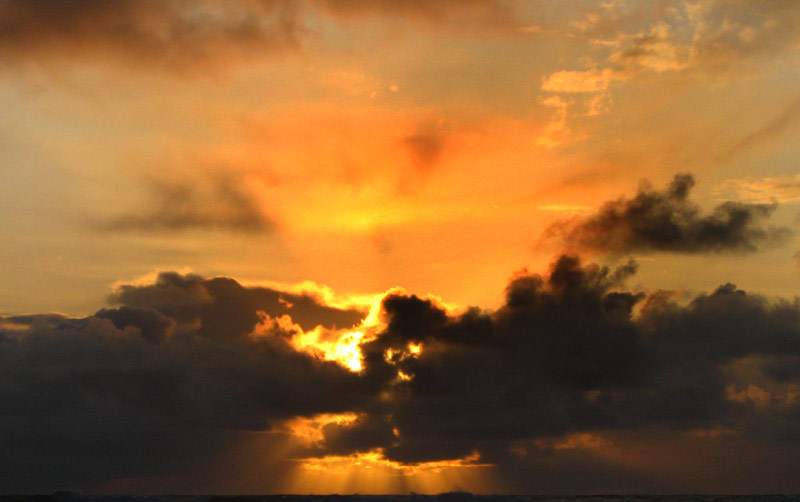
x,y
171,372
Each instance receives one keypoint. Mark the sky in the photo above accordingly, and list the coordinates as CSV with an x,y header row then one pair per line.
x,y
377,246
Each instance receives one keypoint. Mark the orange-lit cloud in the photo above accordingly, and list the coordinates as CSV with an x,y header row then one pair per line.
x,y
376,458
578,81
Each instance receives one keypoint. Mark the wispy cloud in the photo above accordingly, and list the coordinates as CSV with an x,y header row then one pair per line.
x,y
211,202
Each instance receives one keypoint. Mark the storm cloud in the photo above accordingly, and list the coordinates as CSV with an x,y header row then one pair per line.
x,y
571,362
667,220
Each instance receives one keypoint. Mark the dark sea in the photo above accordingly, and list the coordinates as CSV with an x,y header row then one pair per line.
x,y
444,497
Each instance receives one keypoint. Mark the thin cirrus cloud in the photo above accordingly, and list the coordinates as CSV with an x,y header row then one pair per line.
x,y
668,221
773,129
779,188
185,369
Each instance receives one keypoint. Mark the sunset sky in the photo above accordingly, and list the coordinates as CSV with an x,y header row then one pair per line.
x,y
381,246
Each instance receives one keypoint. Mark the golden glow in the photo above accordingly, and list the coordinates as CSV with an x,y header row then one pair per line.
x,y
341,346
562,208
375,458
309,430
371,471
332,346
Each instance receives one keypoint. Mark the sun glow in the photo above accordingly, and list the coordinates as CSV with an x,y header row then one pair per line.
x,y
309,429
372,472
375,458
342,346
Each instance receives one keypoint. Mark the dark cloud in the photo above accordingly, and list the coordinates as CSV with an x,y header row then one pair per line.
x,y
216,202
183,372
569,354
191,37
170,375
223,307
668,221
172,35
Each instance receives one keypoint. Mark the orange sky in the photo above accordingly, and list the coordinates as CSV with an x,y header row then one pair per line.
x,y
361,146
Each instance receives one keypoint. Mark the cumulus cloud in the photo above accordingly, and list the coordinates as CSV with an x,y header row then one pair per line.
x,y
139,389
668,221
216,202
568,366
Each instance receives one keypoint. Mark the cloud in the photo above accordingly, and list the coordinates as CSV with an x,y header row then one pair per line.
x,y
426,144
171,373
773,129
569,366
170,35
216,202
654,51
668,221
578,81
191,37
730,32
711,38
782,189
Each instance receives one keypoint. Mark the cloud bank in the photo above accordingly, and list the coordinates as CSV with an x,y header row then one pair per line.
x,y
181,371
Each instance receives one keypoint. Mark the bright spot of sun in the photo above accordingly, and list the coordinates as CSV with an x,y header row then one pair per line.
x,y
342,346
347,351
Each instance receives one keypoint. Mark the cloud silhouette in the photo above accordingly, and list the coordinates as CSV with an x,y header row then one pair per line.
x,y
569,364
668,221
